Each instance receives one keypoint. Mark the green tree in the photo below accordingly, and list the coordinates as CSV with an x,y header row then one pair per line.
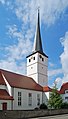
x,y
55,100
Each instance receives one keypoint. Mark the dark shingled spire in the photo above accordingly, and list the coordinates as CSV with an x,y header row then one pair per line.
x,y
38,43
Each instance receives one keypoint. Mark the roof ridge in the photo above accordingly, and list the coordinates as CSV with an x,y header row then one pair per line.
x,y
12,72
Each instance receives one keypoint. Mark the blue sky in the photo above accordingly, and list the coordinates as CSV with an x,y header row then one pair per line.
x,y
18,19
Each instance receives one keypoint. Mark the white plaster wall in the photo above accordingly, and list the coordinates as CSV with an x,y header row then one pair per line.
x,y
2,87
8,104
42,69
25,93
46,96
32,69
42,80
37,69
45,99
35,77
63,97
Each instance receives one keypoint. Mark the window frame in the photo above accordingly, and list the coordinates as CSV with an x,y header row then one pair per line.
x,y
29,60
33,58
30,99
19,98
66,98
38,99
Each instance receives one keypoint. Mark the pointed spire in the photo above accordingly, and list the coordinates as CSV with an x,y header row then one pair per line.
x,y
38,42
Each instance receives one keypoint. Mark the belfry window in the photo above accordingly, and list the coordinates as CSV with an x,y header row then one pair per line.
x,y
42,59
29,60
40,56
33,58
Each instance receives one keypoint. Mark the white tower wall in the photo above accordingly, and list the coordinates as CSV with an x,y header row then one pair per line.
x,y
37,68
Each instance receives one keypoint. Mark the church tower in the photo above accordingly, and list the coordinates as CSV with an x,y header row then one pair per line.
x,y
37,62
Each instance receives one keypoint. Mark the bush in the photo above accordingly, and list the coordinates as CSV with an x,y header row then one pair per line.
x,y
64,105
36,108
43,106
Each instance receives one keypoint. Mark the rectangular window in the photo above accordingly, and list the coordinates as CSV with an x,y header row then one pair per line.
x,y
29,60
34,58
40,56
19,98
42,59
30,99
66,98
38,99
66,91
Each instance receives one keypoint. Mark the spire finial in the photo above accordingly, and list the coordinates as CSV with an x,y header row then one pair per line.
x,y
38,9
38,12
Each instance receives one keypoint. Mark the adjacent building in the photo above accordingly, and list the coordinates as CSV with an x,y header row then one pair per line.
x,y
64,92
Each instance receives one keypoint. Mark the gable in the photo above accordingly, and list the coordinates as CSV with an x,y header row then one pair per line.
x,y
63,88
20,81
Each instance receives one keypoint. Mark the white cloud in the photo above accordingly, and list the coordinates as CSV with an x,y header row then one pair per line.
x,y
58,80
64,57
64,63
54,72
51,64
11,65
24,42
16,53
2,1
50,10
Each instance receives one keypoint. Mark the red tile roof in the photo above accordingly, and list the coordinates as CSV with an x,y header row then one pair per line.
x,y
4,95
21,81
47,89
63,88
2,82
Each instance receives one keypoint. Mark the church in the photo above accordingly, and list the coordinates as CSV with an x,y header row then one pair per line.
x,y
19,92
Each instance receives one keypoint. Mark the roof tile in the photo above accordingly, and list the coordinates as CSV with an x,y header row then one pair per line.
x,y
47,89
4,95
2,82
21,81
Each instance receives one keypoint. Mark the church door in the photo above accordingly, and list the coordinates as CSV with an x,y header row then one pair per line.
x,y
4,106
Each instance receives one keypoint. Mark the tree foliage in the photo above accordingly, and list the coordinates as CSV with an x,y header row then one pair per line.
x,y
55,100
